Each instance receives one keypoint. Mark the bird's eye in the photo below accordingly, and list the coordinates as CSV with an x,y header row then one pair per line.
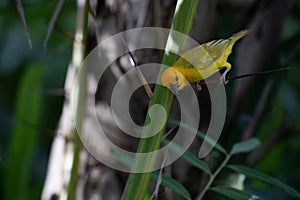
x,y
176,78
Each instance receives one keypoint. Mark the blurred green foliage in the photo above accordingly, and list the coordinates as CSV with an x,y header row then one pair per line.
x,y
25,135
16,58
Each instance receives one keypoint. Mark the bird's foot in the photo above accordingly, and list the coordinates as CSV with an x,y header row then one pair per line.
x,y
197,85
223,79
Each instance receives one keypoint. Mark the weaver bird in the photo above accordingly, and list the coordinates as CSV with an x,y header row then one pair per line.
x,y
200,63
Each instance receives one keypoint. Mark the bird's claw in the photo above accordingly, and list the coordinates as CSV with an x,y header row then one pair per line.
x,y
223,80
198,86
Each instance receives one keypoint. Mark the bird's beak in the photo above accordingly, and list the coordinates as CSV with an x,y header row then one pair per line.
x,y
174,88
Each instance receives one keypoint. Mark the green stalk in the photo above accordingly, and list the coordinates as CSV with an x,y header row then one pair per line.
x,y
138,183
74,172
79,52
213,176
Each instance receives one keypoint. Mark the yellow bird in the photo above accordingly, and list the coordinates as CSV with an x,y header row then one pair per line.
x,y
201,62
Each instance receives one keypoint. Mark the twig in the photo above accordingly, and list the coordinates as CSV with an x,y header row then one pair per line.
x,y
274,139
21,13
169,132
246,75
65,32
258,111
56,12
143,15
258,73
138,71
53,92
159,179
213,177
248,132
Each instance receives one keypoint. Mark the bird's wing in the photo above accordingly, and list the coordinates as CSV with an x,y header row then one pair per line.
x,y
216,48
195,57
204,55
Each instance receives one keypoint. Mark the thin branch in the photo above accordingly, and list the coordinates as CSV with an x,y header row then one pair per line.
x,y
169,132
213,177
258,111
142,17
258,73
53,92
159,179
66,33
247,75
138,71
21,13
56,12
274,139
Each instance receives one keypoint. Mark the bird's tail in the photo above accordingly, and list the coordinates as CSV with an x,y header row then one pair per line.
x,y
239,35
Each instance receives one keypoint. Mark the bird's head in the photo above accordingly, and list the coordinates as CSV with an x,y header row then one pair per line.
x,y
173,80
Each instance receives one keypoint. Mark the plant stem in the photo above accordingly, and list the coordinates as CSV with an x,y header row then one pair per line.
x,y
63,163
79,52
137,183
213,176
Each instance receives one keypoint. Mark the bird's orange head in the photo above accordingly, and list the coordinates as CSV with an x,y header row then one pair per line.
x,y
173,79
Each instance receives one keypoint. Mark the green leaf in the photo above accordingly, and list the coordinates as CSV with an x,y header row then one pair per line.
x,y
245,146
166,180
172,184
217,146
25,134
235,194
254,174
187,156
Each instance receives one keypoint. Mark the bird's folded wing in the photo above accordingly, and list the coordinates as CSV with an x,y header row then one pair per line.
x,y
204,55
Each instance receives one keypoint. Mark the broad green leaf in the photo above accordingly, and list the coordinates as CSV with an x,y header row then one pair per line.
x,y
254,174
187,156
25,135
217,146
235,194
245,146
173,185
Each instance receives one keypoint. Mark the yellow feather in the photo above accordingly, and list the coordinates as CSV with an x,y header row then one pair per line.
x,y
201,62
